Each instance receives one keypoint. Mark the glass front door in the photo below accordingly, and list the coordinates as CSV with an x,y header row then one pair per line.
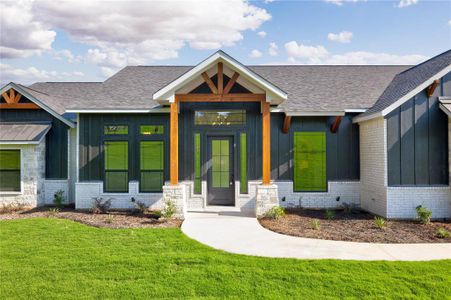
x,y
220,175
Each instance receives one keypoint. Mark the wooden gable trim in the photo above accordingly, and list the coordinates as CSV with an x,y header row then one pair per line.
x,y
12,99
219,98
336,124
220,78
231,82
430,89
286,124
210,83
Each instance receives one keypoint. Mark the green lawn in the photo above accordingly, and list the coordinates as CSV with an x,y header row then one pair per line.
x,y
50,258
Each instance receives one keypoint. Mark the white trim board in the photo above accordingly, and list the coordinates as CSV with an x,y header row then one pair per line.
x,y
19,89
116,111
405,98
273,93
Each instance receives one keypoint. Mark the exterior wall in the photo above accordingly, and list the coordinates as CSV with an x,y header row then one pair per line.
x,y
86,191
338,193
53,186
373,162
32,164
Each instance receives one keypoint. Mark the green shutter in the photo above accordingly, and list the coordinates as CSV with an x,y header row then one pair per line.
x,y
243,163
10,170
310,161
197,165
151,166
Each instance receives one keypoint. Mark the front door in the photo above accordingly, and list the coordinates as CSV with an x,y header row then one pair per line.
x,y
220,175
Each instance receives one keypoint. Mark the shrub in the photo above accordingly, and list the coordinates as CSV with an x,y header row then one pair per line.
x,y
316,224
275,213
140,207
349,208
53,212
380,222
109,219
100,205
169,209
329,214
58,198
155,214
442,233
424,214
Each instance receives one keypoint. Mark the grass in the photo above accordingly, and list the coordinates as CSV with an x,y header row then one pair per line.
x,y
54,258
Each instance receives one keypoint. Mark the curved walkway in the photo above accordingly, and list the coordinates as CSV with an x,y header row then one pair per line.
x,y
234,233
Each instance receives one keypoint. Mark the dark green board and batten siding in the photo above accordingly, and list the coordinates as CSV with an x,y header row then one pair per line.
x,y
417,140
92,138
56,140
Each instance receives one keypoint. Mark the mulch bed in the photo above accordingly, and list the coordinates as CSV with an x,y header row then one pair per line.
x,y
114,219
356,226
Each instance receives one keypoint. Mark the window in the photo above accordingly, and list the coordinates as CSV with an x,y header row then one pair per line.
x,y
197,165
220,156
151,129
116,166
9,170
220,117
115,129
310,161
243,163
151,166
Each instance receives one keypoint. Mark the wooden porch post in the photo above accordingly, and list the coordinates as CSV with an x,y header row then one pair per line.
x,y
174,144
266,143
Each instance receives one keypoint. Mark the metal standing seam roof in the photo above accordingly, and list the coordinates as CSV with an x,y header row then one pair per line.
x,y
22,132
445,105
309,88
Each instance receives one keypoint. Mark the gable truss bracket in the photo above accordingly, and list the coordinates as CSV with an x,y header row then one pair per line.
x,y
430,89
336,124
286,124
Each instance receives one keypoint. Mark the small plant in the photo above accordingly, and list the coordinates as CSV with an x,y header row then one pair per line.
x,y
329,214
110,219
442,233
100,205
169,210
53,212
58,198
316,224
140,207
424,214
275,213
155,214
349,208
380,222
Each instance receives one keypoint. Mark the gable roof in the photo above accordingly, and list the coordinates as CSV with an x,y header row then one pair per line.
x,y
274,93
407,84
22,133
50,103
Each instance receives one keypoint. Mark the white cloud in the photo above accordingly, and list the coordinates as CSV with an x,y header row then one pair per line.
x,y
261,34
67,55
301,54
341,2
32,74
405,3
449,22
255,54
342,37
273,49
314,54
21,35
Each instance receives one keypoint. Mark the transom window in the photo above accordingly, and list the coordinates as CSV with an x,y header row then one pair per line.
x,y
9,170
220,117
151,129
115,129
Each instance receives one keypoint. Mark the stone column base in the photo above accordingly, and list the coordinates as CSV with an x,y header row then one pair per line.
x,y
177,194
267,197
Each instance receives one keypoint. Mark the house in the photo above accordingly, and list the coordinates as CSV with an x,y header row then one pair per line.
x,y
225,134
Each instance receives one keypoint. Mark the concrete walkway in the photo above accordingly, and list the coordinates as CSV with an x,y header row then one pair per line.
x,y
232,232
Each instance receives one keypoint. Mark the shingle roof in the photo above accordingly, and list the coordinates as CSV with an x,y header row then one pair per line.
x,y
309,88
407,81
22,132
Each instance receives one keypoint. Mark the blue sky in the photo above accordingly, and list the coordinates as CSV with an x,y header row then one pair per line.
x,y
89,41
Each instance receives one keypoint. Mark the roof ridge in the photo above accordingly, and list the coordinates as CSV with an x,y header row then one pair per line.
x,y
426,61
27,87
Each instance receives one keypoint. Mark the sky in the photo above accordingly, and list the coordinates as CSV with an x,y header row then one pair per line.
x,y
91,40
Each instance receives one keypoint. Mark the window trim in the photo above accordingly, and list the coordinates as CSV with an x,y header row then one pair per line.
x,y
20,172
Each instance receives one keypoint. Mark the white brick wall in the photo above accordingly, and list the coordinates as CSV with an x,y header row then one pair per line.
x,y
85,191
349,192
373,162
32,161
51,186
